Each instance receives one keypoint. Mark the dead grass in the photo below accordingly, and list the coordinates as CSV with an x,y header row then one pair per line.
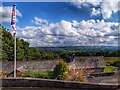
x,y
3,74
78,75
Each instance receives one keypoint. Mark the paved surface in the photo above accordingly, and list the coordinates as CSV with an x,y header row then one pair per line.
x,y
105,79
37,89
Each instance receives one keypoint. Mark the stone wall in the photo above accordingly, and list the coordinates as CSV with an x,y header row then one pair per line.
x,y
105,79
22,82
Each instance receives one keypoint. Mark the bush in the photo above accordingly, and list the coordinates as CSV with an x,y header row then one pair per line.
x,y
38,74
61,71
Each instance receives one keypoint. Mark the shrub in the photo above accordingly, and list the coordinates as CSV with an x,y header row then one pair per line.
x,y
61,71
38,74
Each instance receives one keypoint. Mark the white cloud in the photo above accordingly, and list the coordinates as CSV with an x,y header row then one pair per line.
x,y
6,13
90,32
80,3
95,12
39,21
18,13
106,7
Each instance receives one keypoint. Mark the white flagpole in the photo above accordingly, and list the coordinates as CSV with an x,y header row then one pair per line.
x,y
14,6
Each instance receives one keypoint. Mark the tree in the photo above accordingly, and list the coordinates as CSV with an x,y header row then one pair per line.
x,y
7,45
61,71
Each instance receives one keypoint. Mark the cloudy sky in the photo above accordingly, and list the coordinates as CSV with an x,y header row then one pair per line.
x,y
75,23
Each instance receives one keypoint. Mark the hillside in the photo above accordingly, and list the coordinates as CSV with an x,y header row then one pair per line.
x,y
107,51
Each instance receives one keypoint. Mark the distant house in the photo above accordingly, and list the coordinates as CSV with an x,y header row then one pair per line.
x,y
90,63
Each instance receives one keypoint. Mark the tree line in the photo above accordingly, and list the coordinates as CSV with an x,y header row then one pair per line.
x,y
105,53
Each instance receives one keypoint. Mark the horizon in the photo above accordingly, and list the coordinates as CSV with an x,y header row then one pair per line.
x,y
55,24
75,46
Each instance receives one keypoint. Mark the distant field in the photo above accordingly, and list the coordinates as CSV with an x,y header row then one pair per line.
x,y
109,60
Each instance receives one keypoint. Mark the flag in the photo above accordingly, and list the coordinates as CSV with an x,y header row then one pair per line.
x,y
13,20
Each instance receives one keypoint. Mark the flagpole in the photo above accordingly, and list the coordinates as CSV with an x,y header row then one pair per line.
x,y
14,7
15,55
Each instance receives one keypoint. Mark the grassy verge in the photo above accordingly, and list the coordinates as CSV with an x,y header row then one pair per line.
x,y
109,68
37,74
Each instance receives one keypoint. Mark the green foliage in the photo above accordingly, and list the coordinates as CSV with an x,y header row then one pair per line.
x,y
65,52
110,60
109,69
38,74
112,63
24,52
7,45
61,71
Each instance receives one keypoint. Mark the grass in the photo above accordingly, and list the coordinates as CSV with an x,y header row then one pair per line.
x,y
37,74
110,60
109,68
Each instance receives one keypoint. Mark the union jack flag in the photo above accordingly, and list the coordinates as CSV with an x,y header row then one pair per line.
x,y
13,21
